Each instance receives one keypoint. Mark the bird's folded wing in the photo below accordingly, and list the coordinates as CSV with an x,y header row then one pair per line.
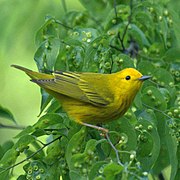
x,y
73,85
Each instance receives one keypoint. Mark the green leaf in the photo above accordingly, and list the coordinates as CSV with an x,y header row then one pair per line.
x,y
94,7
23,142
149,115
74,145
172,150
9,158
27,130
148,144
46,55
172,53
54,107
126,131
164,78
95,169
76,175
47,120
146,68
139,35
153,98
127,62
164,29
5,113
111,170
54,152
45,100
46,31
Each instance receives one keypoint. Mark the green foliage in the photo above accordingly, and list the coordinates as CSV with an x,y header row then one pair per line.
x,y
106,38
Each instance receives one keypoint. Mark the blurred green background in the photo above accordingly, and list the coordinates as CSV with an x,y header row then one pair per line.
x,y
19,22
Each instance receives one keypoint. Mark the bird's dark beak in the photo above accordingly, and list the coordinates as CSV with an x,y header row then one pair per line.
x,y
143,78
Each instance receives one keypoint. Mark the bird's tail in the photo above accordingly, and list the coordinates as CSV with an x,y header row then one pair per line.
x,y
32,74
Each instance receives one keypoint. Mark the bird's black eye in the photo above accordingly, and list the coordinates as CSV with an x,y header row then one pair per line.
x,y
128,77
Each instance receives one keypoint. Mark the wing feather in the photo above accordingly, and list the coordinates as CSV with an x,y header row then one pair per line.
x,y
75,86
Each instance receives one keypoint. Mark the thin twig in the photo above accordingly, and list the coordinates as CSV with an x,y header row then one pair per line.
x,y
60,23
158,111
40,149
115,10
129,21
16,127
114,148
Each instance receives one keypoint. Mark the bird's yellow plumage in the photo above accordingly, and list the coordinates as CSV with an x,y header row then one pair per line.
x,y
91,97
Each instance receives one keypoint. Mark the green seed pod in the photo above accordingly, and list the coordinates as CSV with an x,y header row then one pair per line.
x,y
160,18
94,45
41,170
138,164
162,83
132,156
107,65
170,114
84,39
30,171
84,171
89,34
145,173
140,126
149,92
38,176
153,98
64,172
35,167
166,12
68,47
80,166
76,164
29,177
176,73
176,111
150,128
151,9
76,33
114,21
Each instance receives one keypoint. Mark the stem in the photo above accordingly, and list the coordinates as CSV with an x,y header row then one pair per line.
x,y
115,10
60,23
158,111
129,21
114,148
40,149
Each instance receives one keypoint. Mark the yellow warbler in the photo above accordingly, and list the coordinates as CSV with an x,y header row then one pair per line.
x,y
91,98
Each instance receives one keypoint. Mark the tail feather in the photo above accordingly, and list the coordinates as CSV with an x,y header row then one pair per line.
x,y
32,74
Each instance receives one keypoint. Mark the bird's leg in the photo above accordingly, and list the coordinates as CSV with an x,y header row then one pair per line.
x,y
95,127
106,135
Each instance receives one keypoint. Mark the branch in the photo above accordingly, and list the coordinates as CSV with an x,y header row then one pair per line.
x,y
115,10
16,127
40,149
114,148
129,21
162,112
121,39
60,23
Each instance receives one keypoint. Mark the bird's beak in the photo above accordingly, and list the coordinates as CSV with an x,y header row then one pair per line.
x,y
143,78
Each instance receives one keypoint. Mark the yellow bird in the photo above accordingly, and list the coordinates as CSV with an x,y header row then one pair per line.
x,y
91,98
